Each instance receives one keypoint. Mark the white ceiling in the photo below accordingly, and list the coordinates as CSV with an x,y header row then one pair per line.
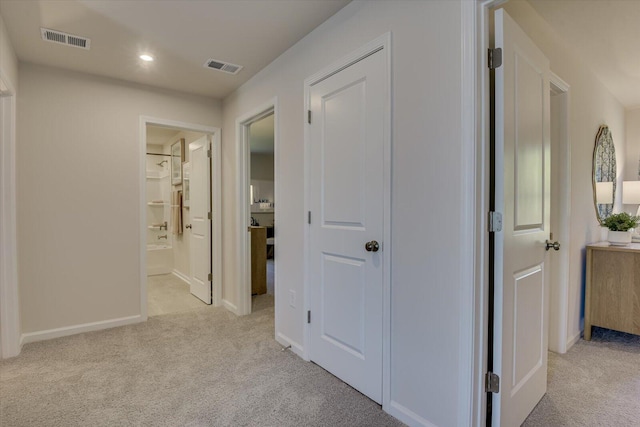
x,y
606,35
180,34
183,34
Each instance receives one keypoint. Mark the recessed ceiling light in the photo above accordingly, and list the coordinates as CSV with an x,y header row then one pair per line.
x,y
147,58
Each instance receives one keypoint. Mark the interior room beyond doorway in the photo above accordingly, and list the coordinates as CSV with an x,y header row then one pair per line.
x,y
262,204
169,258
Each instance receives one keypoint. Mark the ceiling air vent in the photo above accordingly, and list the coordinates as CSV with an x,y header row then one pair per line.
x,y
223,66
64,38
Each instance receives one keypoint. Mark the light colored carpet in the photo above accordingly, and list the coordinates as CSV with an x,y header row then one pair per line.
x,y
596,383
168,294
206,367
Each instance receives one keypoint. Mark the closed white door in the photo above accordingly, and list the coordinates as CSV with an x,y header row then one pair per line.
x,y
523,190
200,196
346,197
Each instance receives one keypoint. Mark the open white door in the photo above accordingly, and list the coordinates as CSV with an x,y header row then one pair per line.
x,y
523,190
346,197
200,195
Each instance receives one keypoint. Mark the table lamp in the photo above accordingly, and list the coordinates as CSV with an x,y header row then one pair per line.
x,y
631,194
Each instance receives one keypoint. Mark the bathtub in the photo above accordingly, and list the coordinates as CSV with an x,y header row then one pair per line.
x,y
159,259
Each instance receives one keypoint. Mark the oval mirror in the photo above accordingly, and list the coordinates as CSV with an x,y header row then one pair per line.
x,y
604,173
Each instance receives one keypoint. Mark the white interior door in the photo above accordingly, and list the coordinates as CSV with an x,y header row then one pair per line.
x,y
346,197
523,190
200,196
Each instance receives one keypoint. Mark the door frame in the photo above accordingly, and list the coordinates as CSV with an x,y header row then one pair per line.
x,y
10,341
243,179
216,210
483,11
381,43
559,282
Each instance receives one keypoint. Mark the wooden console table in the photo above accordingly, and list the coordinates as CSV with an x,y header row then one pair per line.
x,y
612,297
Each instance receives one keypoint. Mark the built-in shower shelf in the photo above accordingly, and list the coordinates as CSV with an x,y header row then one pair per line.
x,y
156,175
157,203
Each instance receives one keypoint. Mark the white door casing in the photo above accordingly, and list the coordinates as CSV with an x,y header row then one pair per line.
x,y
523,191
346,197
200,196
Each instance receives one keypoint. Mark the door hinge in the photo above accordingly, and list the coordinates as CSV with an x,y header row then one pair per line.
x,y
491,383
495,58
495,222
210,277
209,215
309,316
309,116
309,217
209,153
249,229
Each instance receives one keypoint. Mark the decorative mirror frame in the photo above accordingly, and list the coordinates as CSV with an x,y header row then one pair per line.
x,y
177,157
604,169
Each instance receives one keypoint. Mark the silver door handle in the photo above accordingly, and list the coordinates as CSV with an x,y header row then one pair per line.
x,y
554,245
372,246
187,226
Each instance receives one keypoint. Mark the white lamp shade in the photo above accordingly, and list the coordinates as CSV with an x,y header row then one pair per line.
x,y
604,193
631,192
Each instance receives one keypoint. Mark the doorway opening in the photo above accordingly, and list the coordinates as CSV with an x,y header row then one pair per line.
x,y
180,220
261,201
257,177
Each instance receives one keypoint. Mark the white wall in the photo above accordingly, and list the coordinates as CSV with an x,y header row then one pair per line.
x,y
590,106
78,160
632,155
426,189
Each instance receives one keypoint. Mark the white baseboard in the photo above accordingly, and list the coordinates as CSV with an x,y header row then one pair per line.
x,y
573,340
231,307
78,329
407,416
182,276
286,342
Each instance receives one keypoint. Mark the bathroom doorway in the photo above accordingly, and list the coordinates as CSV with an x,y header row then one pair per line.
x,y
180,227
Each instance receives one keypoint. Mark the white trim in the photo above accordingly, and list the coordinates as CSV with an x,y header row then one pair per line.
x,y
574,339
563,228
406,415
216,211
243,172
78,329
216,177
467,371
286,342
180,275
482,203
9,298
230,306
383,42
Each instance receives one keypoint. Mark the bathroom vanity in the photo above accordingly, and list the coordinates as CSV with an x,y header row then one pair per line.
x,y
612,297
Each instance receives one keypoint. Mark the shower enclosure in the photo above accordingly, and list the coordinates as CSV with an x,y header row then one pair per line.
x,y
159,241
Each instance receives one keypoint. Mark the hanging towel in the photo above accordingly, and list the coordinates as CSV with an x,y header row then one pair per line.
x,y
176,212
